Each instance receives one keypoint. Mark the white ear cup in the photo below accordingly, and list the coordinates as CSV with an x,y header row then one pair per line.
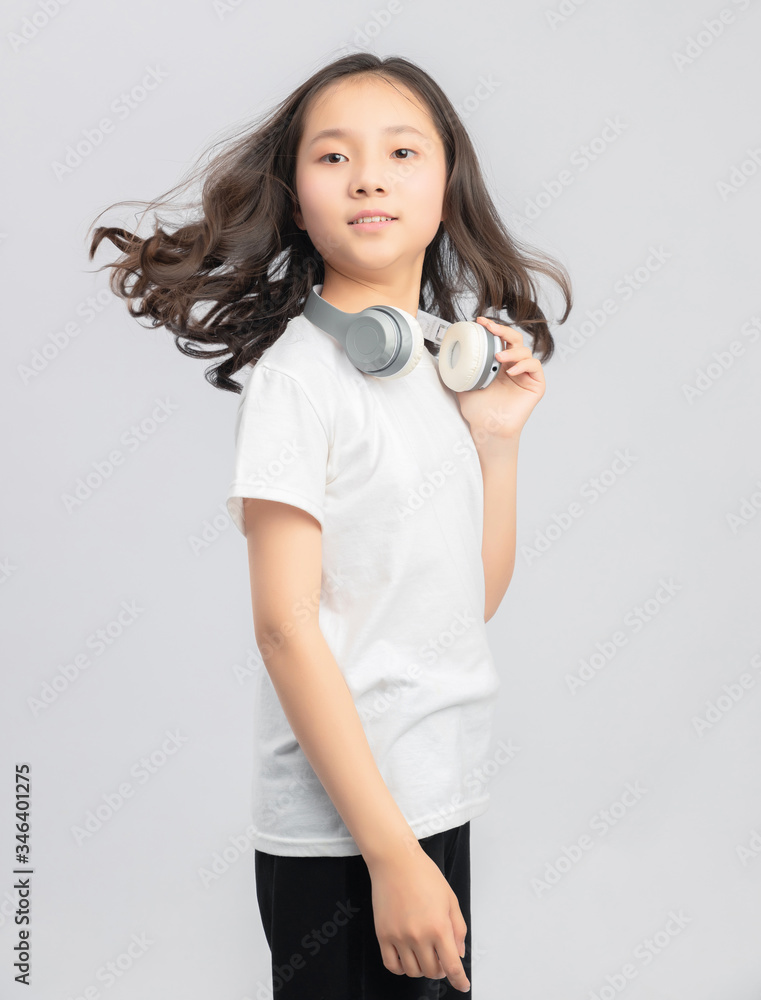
x,y
418,345
462,355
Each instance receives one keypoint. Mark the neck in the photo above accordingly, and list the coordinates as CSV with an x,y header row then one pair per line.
x,y
352,293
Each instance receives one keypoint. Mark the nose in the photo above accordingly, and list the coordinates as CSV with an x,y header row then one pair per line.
x,y
369,179
367,188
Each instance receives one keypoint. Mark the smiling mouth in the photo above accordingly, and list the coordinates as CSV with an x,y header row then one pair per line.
x,y
373,218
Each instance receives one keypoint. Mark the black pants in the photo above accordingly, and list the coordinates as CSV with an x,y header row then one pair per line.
x,y
318,920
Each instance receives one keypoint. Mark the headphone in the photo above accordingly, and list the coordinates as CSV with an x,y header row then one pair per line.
x,y
387,342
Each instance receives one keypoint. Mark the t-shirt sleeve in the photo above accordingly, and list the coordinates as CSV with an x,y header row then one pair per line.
x,y
281,446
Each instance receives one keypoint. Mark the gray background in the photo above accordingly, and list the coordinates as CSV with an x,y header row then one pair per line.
x,y
660,233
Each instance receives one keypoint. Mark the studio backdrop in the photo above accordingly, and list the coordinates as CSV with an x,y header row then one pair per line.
x,y
621,851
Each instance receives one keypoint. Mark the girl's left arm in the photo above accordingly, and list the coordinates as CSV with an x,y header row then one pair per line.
x,y
496,416
499,468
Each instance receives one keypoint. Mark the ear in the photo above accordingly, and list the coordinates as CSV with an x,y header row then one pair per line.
x,y
298,218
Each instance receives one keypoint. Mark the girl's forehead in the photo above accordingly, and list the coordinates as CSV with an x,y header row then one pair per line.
x,y
363,92
355,108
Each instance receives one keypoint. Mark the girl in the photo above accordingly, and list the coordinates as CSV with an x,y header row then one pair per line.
x,y
379,512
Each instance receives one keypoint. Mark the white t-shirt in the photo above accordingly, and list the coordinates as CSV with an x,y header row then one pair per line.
x,y
389,469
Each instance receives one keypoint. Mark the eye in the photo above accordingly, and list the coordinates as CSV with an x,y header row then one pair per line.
x,y
402,149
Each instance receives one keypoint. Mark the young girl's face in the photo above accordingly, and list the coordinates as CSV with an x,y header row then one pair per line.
x,y
373,167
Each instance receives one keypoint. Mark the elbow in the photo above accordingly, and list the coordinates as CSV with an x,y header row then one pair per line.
x,y
279,640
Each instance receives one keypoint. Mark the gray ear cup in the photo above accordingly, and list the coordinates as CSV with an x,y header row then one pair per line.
x,y
412,340
466,357
382,341
376,340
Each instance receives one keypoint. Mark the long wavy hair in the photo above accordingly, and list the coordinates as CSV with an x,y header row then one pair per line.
x,y
240,250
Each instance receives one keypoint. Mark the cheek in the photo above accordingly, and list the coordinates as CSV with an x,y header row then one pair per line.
x,y
425,201
424,185
312,189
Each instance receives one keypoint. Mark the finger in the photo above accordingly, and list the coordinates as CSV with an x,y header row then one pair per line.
x,y
428,960
391,959
460,928
451,962
534,369
518,352
410,963
511,334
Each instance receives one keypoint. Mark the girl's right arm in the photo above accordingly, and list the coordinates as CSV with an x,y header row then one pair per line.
x,y
415,908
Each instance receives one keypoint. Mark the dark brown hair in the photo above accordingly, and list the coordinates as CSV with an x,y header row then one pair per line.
x,y
241,250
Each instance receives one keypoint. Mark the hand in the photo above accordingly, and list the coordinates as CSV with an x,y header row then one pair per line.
x,y
418,921
501,409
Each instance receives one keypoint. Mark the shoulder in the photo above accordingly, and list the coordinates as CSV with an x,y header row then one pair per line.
x,y
305,355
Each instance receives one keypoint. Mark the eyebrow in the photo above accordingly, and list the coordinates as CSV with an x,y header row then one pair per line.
x,y
342,133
